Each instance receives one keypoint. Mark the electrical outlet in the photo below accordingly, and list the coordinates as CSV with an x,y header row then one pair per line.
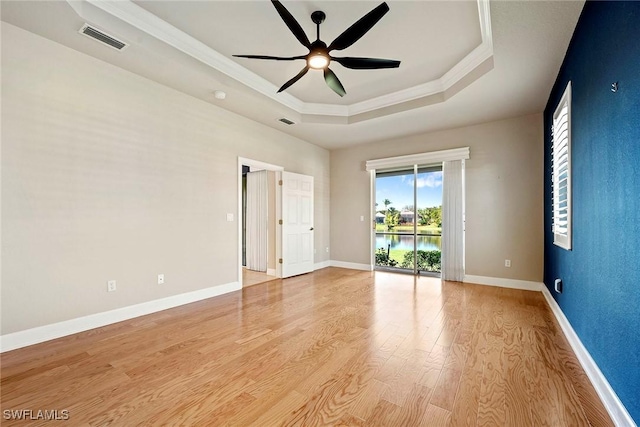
x,y
111,286
558,286
327,249
160,279
507,263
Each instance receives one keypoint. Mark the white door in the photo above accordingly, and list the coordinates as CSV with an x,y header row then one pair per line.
x,y
297,224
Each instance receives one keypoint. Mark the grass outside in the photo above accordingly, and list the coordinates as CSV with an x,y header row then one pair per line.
x,y
398,255
426,229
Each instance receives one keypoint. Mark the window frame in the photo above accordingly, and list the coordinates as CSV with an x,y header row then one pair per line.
x,y
561,238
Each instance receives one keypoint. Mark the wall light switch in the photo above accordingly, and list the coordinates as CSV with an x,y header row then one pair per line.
x,y
230,217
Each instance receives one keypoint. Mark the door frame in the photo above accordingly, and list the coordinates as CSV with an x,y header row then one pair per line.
x,y
429,158
278,189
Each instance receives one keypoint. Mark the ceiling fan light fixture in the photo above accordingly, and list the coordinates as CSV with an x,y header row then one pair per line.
x,y
318,61
319,56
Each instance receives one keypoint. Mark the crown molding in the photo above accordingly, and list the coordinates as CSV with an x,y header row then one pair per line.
x,y
429,92
309,108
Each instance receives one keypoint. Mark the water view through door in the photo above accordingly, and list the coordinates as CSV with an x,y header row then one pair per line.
x,y
408,217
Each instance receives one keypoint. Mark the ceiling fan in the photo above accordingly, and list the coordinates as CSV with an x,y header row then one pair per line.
x,y
319,58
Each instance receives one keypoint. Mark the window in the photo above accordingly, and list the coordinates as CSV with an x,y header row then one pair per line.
x,y
453,212
561,171
409,219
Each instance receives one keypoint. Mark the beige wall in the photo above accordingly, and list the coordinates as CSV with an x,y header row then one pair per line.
x,y
503,195
107,175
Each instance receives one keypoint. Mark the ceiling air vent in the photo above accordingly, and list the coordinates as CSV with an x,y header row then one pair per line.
x,y
286,121
102,37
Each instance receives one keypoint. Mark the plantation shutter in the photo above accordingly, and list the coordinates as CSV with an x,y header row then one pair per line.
x,y
561,171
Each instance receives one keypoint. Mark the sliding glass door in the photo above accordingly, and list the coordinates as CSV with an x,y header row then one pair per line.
x,y
409,220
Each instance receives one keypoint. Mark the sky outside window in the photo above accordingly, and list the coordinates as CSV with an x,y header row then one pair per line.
x,y
399,190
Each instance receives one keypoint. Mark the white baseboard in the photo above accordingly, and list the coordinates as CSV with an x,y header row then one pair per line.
x,y
610,400
73,326
351,265
504,283
321,265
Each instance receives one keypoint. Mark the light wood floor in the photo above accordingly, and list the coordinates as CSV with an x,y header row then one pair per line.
x,y
250,277
334,348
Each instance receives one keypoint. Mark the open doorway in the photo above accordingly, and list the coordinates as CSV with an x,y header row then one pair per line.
x,y
408,217
258,207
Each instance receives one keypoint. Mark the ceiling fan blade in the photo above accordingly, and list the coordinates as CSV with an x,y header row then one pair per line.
x,y
295,79
275,58
332,81
291,22
359,29
366,63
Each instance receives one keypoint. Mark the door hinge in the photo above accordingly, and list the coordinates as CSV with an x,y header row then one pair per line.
x,y
280,182
280,260
280,222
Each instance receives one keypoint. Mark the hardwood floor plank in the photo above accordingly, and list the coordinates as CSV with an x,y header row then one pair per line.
x,y
349,420
465,406
517,399
384,414
456,357
429,375
436,417
305,372
400,386
368,400
226,411
589,400
560,389
326,370
253,336
341,392
390,369
415,405
280,412
491,401
205,402
336,347
445,392
438,355
38,370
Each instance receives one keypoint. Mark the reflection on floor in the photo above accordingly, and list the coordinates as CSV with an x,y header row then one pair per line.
x,y
250,277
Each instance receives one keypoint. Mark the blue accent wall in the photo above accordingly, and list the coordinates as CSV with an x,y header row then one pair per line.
x,y
601,275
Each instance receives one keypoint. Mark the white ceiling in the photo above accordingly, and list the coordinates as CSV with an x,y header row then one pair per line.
x,y
463,62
